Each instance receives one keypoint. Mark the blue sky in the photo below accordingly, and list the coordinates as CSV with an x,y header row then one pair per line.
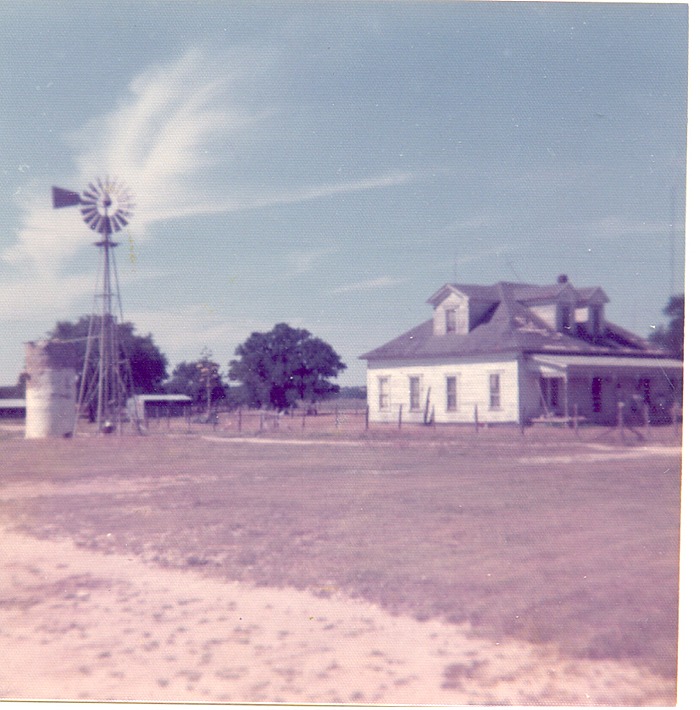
x,y
331,165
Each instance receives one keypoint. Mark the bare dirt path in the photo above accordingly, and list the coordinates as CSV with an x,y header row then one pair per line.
x,y
80,625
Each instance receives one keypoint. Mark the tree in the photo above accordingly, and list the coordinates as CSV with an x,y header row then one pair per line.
x,y
148,364
670,337
200,380
278,368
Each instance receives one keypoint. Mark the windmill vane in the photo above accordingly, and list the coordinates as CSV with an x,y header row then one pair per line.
x,y
106,206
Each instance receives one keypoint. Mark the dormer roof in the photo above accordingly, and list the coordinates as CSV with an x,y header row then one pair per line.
x,y
512,325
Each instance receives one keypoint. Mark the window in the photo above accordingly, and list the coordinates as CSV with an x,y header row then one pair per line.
x,y
565,317
414,393
494,391
644,386
451,393
597,394
383,393
451,320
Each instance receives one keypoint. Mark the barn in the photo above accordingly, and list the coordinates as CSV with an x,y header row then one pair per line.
x,y
519,353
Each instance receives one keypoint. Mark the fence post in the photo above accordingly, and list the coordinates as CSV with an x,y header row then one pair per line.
x,y
337,417
620,420
576,418
366,418
647,419
400,413
476,418
240,419
675,417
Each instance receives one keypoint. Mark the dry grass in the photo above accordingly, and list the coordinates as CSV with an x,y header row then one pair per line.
x,y
546,537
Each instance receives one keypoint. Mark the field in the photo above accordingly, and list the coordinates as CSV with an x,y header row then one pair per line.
x,y
567,544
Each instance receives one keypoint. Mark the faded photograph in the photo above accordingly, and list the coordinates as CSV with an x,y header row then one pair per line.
x,y
342,352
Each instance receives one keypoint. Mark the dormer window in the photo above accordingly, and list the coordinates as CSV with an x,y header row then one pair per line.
x,y
565,311
450,320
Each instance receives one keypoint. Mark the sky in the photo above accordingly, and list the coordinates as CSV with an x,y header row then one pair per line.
x,y
332,164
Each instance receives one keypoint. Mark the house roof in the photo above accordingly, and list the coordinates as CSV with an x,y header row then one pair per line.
x,y
511,326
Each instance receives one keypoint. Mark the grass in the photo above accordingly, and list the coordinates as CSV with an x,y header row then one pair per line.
x,y
498,529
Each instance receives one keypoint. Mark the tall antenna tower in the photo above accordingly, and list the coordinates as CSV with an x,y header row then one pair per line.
x,y
106,382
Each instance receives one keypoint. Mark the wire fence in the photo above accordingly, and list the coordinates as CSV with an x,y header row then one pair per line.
x,y
354,422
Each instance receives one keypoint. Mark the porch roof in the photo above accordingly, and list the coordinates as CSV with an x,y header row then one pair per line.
x,y
566,363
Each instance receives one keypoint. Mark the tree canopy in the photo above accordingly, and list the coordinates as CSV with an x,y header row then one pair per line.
x,y
200,380
278,368
148,364
670,336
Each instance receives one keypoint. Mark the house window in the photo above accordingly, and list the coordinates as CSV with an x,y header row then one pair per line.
x,y
451,393
565,317
451,320
644,386
414,393
597,394
383,394
494,391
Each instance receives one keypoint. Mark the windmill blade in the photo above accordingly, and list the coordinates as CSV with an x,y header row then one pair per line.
x,y
65,198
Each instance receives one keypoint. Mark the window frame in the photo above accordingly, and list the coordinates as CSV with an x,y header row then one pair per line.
x,y
451,397
494,391
384,393
414,396
450,320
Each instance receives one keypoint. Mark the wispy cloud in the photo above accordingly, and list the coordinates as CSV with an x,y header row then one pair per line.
x,y
613,226
170,139
369,285
302,262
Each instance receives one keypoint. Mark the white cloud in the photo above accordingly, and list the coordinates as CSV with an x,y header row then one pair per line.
x,y
179,124
613,226
369,285
304,261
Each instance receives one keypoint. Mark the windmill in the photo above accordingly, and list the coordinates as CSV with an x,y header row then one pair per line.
x,y
106,206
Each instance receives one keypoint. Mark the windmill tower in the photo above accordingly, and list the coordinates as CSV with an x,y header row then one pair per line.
x,y
106,382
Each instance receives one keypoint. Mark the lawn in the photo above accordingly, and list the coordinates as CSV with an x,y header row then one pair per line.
x,y
544,537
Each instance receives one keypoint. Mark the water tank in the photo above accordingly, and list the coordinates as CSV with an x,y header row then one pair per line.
x,y
51,391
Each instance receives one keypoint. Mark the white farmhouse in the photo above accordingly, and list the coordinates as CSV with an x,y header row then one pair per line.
x,y
514,353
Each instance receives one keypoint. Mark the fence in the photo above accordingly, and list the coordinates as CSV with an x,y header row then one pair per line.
x,y
353,421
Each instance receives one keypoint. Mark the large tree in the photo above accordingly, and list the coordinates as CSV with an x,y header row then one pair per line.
x,y
278,368
200,380
148,364
670,337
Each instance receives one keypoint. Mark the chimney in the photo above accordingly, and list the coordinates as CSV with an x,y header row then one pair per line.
x,y
562,279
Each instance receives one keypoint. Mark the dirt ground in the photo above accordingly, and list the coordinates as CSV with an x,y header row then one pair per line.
x,y
487,569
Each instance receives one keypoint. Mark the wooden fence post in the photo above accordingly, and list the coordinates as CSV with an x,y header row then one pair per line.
x,y
400,413
576,418
620,420
366,418
476,418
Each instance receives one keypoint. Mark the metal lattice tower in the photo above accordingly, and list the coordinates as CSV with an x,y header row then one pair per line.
x,y
106,382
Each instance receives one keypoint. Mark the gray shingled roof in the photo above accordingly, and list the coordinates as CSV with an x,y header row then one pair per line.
x,y
510,326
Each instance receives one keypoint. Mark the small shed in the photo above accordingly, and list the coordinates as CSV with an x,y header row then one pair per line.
x,y
146,406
